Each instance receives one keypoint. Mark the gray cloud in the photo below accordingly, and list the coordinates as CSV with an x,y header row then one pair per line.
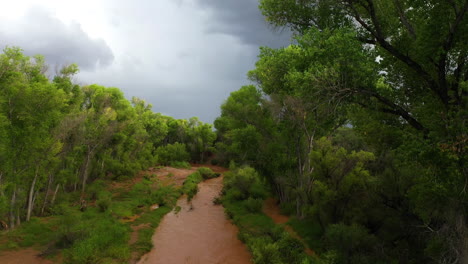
x,y
39,32
182,56
243,19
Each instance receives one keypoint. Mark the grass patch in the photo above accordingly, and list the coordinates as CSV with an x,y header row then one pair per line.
x,y
144,243
36,232
153,217
96,238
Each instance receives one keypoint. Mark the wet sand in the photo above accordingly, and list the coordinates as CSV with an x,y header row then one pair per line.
x,y
198,234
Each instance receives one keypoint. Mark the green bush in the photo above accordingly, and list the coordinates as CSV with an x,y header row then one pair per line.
x,y
180,164
104,200
264,252
243,197
247,182
310,230
33,232
207,173
190,186
253,205
351,241
95,188
165,195
171,153
290,249
100,239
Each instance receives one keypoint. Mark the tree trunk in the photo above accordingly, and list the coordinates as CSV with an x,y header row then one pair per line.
x,y
46,194
12,209
18,219
1,190
86,171
55,194
30,197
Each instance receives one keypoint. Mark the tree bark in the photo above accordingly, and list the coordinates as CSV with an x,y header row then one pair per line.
x,y
1,190
86,171
30,197
12,208
55,194
46,194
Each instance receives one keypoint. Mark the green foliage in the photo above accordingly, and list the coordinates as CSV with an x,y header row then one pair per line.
x,y
265,252
104,201
310,231
353,243
104,240
180,164
245,182
253,205
172,153
190,186
34,232
267,242
144,242
207,173
361,121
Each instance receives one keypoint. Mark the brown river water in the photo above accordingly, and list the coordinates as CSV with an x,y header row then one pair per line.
x,y
198,234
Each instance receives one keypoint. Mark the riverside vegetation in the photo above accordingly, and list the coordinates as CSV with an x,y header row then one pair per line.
x,y
358,128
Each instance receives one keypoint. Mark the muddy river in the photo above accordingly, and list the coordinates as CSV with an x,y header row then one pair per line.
x,y
198,234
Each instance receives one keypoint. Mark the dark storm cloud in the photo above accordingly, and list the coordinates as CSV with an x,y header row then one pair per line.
x,y
243,19
39,32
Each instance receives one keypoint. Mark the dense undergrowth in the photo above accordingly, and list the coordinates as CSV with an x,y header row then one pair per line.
x,y
243,196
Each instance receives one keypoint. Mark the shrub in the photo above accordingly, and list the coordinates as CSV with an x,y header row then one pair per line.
x,y
290,249
207,173
104,241
171,153
253,205
165,195
264,252
104,200
247,182
95,188
243,197
180,164
190,186
30,233
350,241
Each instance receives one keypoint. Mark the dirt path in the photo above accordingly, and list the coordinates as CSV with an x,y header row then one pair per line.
x,y
22,256
270,208
198,234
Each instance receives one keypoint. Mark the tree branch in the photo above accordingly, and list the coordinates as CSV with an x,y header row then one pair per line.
x,y
447,45
404,20
380,38
395,110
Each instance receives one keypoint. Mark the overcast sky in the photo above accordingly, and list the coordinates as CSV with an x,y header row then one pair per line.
x,y
182,56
